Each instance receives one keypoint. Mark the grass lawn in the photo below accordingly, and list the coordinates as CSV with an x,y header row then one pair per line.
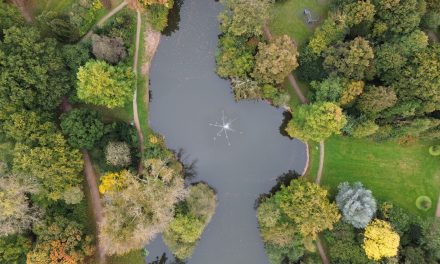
x,y
142,84
393,172
287,17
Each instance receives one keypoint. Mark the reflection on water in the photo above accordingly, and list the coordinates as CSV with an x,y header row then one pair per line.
x,y
173,18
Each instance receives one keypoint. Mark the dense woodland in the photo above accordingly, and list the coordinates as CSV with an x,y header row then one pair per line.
x,y
55,84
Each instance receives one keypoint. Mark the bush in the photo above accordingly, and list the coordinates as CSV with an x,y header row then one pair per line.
x,y
158,16
83,128
434,150
423,203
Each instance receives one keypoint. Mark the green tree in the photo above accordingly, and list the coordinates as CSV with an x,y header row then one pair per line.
x,y
431,237
55,166
102,84
9,16
83,128
421,79
332,30
376,99
244,17
29,127
235,57
316,122
276,60
32,71
353,60
13,249
396,17
329,90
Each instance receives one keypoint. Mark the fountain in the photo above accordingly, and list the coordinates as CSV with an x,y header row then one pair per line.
x,y
224,126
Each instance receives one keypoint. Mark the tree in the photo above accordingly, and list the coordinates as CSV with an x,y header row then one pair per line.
x,y
55,166
234,58
352,60
364,129
111,50
380,240
136,213
16,213
60,240
351,92
118,154
329,90
359,12
316,122
421,79
431,237
376,99
102,84
192,216
244,17
299,211
32,71
13,249
29,127
83,128
276,60
246,89
356,203
396,17
333,29
9,17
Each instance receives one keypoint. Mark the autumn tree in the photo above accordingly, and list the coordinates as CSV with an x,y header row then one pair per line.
x,y
356,203
358,12
61,240
83,128
16,212
351,92
111,50
376,99
136,213
276,60
316,122
102,84
32,70
352,60
380,240
234,58
244,17
118,154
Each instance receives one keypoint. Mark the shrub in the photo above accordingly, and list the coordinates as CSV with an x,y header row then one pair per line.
x,y
423,203
356,203
111,50
118,154
434,150
158,16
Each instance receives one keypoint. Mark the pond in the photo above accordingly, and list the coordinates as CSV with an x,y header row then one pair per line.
x,y
187,96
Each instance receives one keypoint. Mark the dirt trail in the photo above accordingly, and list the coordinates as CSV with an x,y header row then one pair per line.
x,y
105,18
321,252
23,6
136,121
152,40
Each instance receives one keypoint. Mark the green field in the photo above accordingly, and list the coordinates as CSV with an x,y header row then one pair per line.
x,y
393,172
134,257
287,17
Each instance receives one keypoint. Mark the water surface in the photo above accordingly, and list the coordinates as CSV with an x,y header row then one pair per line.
x,y
187,96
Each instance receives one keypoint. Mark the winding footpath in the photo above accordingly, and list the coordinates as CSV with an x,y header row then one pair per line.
x,y
304,100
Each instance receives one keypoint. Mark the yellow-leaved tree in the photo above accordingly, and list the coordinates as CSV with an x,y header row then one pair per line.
x,y
380,240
